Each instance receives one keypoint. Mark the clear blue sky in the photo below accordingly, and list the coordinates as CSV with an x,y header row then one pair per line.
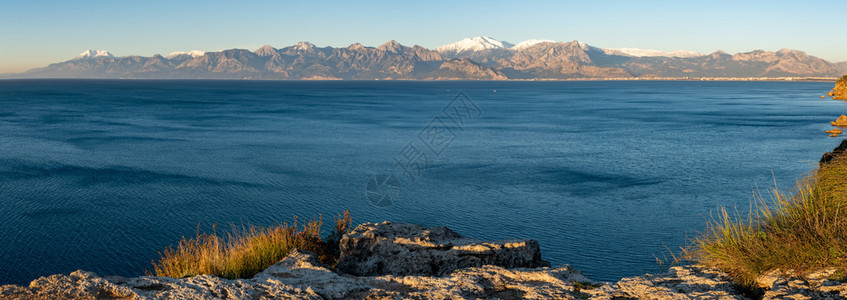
x,y
35,33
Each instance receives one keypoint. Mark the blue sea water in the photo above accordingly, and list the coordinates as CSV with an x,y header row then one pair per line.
x,y
102,175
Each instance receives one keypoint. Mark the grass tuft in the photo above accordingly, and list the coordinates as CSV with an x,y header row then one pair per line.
x,y
800,231
248,250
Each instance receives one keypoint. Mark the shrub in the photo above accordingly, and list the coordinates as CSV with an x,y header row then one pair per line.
x,y
800,231
246,251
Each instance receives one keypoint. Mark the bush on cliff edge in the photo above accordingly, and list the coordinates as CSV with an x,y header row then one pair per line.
x,y
800,231
245,252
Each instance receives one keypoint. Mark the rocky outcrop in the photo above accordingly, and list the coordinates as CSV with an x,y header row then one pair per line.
x,y
495,270
800,288
698,282
300,276
77,285
407,249
827,157
840,90
823,284
841,121
683,282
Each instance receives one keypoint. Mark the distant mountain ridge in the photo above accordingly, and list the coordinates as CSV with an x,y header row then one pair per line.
x,y
842,67
651,53
479,58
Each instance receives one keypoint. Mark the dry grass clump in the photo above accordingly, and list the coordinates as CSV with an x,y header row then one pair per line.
x,y
249,250
801,231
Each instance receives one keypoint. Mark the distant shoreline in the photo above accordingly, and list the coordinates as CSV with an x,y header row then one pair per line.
x,y
720,79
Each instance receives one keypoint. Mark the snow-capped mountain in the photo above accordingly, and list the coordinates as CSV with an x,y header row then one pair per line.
x,y
481,43
529,43
479,58
94,54
192,53
474,44
651,53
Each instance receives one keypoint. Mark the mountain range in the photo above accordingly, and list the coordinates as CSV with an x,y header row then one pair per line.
x,y
479,58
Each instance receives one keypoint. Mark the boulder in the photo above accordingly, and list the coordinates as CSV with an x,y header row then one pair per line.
x,y
408,249
841,121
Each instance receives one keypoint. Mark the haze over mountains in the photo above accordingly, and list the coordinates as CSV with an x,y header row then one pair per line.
x,y
479,58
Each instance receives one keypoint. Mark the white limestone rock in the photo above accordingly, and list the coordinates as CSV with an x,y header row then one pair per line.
x,y
408,249
681,282
453,268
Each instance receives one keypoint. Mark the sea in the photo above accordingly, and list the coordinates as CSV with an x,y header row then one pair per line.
x,y
608,176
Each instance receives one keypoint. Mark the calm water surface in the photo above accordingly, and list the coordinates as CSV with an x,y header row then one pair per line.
x,y
101,175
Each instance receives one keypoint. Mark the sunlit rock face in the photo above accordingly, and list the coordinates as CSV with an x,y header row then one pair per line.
x,y
407,249
406,261
839,92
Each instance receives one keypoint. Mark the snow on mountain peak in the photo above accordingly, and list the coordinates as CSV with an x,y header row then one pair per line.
x,y
529,43
93,54
485,43
303,46
192,53
474,44
651,53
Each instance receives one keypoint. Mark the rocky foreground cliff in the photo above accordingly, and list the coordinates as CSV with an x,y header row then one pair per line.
x,y
405,261
839,92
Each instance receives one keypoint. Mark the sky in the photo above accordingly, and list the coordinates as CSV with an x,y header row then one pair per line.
x,y
35,33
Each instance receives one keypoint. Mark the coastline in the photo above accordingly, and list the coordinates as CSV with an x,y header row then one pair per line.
x,y
716,79
406,261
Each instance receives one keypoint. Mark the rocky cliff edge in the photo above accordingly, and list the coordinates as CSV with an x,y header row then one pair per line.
x,y
405,261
